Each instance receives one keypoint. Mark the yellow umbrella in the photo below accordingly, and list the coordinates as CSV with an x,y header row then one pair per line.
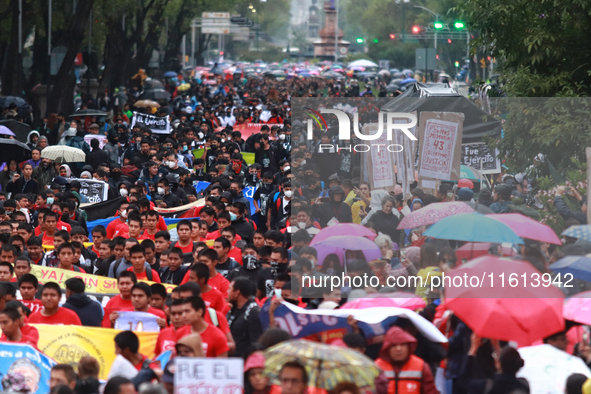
x,y
327,365
183,87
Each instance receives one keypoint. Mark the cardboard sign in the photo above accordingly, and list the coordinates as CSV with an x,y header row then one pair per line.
x,y
208,375
379,162
440,139
137,321
473,155
156,124
94,191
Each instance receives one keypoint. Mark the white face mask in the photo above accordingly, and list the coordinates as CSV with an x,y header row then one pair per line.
x,y
200,135
301,225
171,164
161,191
282,137
73,130
303,162
123,192
288,193
124,213
286,168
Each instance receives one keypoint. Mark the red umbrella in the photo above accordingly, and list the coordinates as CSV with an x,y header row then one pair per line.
x,y
578,308
471,250
512,309
528,228
397,299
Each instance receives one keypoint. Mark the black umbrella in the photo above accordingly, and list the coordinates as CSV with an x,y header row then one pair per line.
x,y
12,149
153,84
20,130
392,88
154,94
88,112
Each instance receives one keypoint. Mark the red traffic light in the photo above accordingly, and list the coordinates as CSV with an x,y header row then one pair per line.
x,y
392,36
221,53
416,29
449,40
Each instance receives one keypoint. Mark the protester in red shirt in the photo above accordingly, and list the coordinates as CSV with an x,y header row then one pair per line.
x,y
168,336
213,298
134,224
52,313
127,344
50,221
65,253
28,285
214,341
10,321
122,301
112,226
141,294
209,257
137,257
151,224
230,234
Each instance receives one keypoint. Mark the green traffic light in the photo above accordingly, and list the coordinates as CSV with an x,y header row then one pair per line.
x,y
375,40
359,40
438,25
459,25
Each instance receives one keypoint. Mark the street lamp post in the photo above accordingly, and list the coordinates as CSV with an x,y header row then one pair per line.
x,y
336,34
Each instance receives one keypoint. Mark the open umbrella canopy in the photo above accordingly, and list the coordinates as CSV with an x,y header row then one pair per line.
x,y
21,130
343,229
362,63
505,304
151,83
433,213
578,266
154,94
87,112
407,80
169,74
397,299
528,228
470,173
13,149
546,368
63,154
471,250
582,231
479,207
20,102
327,365
146,103
473,227
6,131
340,244
578,308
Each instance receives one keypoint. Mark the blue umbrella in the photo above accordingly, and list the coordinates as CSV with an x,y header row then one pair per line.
x,y
578,266
407,80
473,227
169,74
581,232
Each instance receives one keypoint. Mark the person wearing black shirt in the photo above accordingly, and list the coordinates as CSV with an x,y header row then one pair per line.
x,y
212,152
243,318
144,153
225,264
175,272
266,155
169,200
200,175
251,267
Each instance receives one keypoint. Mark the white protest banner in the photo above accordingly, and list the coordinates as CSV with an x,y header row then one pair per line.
x,y
156,124
94,190
101,138
208,375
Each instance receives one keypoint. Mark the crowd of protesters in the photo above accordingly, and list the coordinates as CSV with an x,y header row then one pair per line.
x,y
228,260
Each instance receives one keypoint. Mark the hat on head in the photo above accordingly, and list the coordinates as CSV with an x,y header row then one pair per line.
x,y
398,189
485,197
418,192
255,360
465,194
94,126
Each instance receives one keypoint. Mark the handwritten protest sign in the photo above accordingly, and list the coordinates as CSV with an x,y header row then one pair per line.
x,y
101,138
156,124
208,375
475,154
137,321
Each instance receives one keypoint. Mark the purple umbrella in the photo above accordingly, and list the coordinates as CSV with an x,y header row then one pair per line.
x,y
339,244
6,131
343,229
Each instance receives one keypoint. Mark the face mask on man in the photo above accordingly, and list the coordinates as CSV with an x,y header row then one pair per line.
x,y
161,191
233,216
171,164
288,193
123,192
49,200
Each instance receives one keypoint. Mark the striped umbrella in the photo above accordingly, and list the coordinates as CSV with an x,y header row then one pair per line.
x,y
327,365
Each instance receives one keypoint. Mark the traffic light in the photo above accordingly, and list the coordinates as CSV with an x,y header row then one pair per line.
x,y
457,64
359,40
459,25
449,40
438,25
375,40
416,30
221,53
392,36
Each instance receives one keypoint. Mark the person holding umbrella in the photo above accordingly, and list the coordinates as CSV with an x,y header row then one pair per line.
x,y
406,373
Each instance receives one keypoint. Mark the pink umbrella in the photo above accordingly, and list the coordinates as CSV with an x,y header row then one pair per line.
x,y
397,299
343,229
471,250
527,228
433,213
313,72
578,308
341,243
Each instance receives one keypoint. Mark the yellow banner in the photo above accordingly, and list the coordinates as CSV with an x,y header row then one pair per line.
x,y
67,344
248,157
94,283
